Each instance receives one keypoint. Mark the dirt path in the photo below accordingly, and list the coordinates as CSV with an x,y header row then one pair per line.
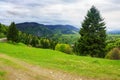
x,y
3,39
32,72
16,71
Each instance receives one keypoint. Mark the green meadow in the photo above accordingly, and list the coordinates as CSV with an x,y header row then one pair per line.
x,y
77,65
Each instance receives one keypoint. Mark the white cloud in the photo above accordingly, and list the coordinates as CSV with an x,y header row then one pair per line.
x,y
58,11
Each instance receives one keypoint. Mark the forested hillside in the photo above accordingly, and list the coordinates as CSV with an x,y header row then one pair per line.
x,y
45,30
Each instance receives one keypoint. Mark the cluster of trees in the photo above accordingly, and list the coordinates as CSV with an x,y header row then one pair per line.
x,y
17,36
112,37
112,44
3,30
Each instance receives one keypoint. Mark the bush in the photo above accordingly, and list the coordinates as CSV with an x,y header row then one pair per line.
x,y
2,35
114,54
64,48
45,43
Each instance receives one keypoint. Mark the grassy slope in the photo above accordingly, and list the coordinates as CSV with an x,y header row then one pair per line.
x,y
84,66
4,73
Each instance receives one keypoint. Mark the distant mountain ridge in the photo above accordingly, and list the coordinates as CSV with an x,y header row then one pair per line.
x,y
114,32
64,29
46,30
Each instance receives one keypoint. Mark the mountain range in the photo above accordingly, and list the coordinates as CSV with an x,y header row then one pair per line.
x,y
49,30
46,30
114,32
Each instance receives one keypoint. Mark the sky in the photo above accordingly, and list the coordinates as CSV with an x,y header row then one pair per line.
x,y
64,12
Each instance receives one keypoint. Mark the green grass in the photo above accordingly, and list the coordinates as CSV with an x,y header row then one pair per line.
x,y
83,66
5,63
2,73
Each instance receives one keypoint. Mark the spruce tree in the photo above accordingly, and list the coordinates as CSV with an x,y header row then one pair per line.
x,y
12,34
35,41
93,35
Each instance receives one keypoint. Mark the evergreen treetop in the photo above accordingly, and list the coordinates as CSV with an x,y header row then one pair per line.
x,y
93,35
12,33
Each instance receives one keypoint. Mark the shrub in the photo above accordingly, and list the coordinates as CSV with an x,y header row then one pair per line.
x,y
45,43
2,35
64,48
114,54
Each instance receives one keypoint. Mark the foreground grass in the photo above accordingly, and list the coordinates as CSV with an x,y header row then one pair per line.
x,y
83,66
3,64
2,73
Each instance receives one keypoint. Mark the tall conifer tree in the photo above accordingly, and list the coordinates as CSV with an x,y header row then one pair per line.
x,y
12,33
93,35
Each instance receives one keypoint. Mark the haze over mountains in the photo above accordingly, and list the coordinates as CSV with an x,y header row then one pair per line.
x,y
114,32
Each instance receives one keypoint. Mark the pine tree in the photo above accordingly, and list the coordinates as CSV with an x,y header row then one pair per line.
x,y
35,41
12,34
93,35
45,43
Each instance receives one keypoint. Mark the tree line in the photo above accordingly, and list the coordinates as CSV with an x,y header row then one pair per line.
x,y
14,35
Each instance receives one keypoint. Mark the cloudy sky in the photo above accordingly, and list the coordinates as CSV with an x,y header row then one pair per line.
x,y
58,11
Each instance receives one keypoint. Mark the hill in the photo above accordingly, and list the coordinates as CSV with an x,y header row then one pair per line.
x,y
45,30
34,28
63,29
86,67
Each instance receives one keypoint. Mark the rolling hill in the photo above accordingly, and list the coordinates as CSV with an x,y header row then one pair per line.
x,y
45,30
34,28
